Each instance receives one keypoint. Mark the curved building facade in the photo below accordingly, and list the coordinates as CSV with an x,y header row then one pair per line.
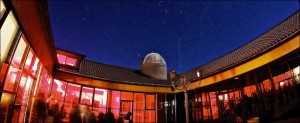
x,y
265,70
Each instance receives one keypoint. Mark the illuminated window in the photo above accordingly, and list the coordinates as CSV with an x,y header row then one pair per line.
x,y
72,95
45,82
87,95
150,101
150,116
100,101
28,60
127,96
8,32
14,73
71,61
2,8
22,99
138,107
12,78
266,85
59,90
206,106
19,53
213,104
62,59
32,64
247,91
115,100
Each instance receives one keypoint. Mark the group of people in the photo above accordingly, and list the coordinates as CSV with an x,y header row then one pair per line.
x,y
45,112
243,109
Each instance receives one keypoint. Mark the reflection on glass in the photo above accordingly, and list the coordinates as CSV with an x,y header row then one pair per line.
x,y
19,53
61,58
87,95
59,90
72,95
71,61
100,98
12,79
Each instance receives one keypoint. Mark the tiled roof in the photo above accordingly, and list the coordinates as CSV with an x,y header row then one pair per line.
x,y
117,74
267,41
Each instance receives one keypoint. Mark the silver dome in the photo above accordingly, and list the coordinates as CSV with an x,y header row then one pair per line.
x,y
154,65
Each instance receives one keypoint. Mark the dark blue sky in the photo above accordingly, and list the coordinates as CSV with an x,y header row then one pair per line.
x,y
186,34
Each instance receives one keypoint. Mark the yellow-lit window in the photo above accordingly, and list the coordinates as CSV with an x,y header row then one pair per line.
x,y
2,8
8,32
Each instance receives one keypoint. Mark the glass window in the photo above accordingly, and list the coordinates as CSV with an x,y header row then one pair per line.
x,y
288,74
12,78
87,95
150,101
206,106
8,32
138,116
266,85
100,98
2,8
36,67
247,91
59,90
45,82
150,116
22,99
72,95
61,58
19,53
280,77
115,99
21,89
28,63
32,64
127,96
71,61
139,101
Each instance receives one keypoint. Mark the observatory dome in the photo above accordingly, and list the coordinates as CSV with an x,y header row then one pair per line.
x,y
154,65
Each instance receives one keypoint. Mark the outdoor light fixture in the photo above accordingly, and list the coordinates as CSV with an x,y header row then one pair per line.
x,y
198,73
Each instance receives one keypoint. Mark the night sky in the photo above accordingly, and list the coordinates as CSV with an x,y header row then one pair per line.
x,y
186,34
